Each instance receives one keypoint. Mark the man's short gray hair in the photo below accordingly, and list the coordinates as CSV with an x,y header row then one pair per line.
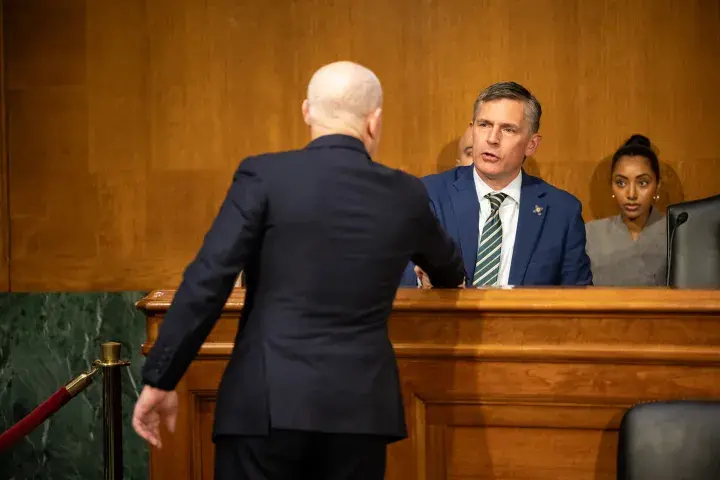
x,y
512,91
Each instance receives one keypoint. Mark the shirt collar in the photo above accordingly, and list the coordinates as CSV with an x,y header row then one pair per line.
x,y
512,189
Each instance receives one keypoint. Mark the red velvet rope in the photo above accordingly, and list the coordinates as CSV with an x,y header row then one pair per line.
x,y
34,418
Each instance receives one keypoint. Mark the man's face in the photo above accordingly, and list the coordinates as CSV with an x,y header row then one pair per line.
x,y
464,154
501,140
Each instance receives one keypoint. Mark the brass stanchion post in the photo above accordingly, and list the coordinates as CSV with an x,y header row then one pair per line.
x,y
112,409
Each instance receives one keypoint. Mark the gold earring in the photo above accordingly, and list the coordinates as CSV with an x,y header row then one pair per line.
x,y
613,195
657,197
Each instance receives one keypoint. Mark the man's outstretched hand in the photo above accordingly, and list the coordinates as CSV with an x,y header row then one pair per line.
x,y
425,279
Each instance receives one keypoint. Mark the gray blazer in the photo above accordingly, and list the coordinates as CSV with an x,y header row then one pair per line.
x,y
618,260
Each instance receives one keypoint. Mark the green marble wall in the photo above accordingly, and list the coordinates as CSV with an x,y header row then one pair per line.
x,y
45,340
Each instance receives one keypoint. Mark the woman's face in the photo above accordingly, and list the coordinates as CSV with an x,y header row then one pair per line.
x,y
634,185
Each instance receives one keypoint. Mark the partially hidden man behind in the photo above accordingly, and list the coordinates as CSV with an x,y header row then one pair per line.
x,y
323,235
464,148
513,228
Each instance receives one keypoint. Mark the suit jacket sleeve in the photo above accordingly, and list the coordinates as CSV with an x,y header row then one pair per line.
x,y
576,264
409,278
438,255
208,280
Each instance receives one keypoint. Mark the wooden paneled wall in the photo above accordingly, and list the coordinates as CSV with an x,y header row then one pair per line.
x,y
125,120
4,207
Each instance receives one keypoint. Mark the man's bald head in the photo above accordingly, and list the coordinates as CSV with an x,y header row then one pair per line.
x,y
344,98
464,154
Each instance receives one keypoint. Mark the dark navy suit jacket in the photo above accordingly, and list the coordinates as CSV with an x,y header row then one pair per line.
x,y
323,235
550,239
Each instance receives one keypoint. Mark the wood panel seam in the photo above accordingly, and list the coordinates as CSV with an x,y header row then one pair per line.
x,y
558,353
709,356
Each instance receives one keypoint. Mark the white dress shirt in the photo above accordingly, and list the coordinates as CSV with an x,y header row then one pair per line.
x,y
508,218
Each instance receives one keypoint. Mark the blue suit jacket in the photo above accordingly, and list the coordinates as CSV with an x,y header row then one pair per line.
x,y
549,247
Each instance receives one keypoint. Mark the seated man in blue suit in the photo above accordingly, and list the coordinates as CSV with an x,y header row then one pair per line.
x,y
513,228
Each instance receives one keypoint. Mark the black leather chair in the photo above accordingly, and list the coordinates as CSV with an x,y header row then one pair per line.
x,y
694,249
678,440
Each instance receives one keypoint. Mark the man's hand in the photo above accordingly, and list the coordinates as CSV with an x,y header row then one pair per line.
x,y
155,406
425,279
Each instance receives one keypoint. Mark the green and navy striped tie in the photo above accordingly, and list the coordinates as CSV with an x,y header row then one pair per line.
x,y
487,264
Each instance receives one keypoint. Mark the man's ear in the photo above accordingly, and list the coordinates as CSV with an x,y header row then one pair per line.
x,y
306,111
374,123
532,145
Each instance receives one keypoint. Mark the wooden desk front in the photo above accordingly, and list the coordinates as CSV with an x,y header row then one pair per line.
x,y
523,383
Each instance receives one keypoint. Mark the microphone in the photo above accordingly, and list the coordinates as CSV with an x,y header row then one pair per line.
x,y
682,218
